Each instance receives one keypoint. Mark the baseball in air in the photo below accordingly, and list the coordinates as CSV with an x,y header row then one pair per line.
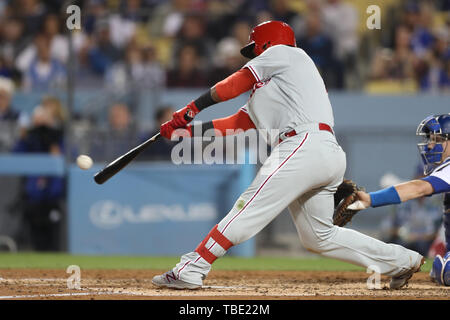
x,y
84,162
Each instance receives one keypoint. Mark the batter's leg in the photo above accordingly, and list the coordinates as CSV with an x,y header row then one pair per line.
x,y
312,215
279,182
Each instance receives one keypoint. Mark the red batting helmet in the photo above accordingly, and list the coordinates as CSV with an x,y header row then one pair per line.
x,y
268,34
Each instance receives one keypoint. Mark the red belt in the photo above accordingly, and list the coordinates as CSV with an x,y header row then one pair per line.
x,y
322,126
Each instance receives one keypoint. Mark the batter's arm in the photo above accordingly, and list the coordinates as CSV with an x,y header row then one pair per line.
x,y
234,124
234,85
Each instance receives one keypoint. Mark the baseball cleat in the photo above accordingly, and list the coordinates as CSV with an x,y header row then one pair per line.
x,y
169,280
401,280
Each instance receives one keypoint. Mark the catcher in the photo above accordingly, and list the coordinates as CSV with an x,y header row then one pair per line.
x,y
435,154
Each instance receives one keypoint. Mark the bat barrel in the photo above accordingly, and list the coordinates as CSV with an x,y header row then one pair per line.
x,y
114,167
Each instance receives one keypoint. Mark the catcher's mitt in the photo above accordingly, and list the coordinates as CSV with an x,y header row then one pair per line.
x,y
345,195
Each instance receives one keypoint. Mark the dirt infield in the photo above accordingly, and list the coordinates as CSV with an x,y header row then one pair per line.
x,y
242,285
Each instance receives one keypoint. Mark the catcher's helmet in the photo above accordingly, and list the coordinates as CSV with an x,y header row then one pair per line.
x,y
268,34
435,130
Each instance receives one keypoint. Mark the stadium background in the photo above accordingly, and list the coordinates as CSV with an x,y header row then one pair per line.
x,y
103,89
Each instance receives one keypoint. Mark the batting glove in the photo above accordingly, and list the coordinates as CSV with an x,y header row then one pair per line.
x,y
167,130
185,115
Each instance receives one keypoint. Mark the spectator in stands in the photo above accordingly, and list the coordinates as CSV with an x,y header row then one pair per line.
x,y
187,72
140,70
9,118
153,73
44,72
119,136
7,113
161,149
193,33
126,73
446,89
132,10
240,31
100,50
432,66
398,64
227,60
59,45
42,196
56,110
168,17
93,11
31,12
12,42
320,48
282,12
435,78
123,25
422,38
263,16
341,23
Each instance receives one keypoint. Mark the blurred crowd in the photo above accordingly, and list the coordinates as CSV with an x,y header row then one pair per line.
x,y
195,43
124,47
132,46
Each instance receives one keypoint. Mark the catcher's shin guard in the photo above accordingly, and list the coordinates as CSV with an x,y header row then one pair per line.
x,y
214,237
440,271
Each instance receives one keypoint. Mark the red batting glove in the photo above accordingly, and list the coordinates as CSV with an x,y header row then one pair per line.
x,y
185,115
167,130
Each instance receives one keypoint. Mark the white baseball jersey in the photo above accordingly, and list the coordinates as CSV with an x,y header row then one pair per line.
x,y
289,92
440,177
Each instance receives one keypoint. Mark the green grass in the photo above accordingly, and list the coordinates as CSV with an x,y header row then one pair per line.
x,y
60,260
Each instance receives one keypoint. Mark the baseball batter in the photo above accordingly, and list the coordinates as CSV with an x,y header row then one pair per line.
x,y
302,172
435,154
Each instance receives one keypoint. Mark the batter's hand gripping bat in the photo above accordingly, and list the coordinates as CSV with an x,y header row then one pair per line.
x,y
121,162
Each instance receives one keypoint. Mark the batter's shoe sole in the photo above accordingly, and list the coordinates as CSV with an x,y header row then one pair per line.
x,y
398,282
169,280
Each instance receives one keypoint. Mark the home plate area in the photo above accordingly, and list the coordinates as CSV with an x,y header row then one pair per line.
x,y
136,284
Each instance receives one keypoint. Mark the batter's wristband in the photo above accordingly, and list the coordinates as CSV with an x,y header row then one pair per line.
x,y
384,197
204,101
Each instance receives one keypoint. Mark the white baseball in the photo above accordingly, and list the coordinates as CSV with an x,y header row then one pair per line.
x,y
357,205
84,162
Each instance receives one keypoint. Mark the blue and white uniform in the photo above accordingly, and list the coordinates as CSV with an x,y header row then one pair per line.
x,y
440,180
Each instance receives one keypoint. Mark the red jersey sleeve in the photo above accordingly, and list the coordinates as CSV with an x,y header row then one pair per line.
x,y
236,84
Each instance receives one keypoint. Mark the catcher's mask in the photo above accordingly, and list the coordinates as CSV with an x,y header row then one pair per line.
x,y
434,130
266,35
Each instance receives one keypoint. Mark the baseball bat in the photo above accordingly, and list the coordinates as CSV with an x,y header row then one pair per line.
x,y
121,162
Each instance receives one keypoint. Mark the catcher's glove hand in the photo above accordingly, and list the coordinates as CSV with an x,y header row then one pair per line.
x,y
345,195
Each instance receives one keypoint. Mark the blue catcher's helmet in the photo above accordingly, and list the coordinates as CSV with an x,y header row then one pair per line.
x,y
435,130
